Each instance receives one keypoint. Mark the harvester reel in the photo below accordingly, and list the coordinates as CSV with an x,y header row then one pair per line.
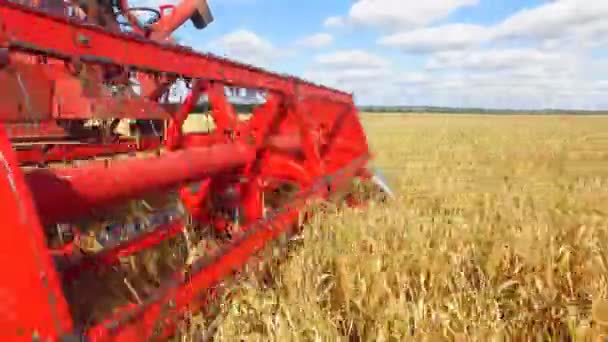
x,y
96,291
125,236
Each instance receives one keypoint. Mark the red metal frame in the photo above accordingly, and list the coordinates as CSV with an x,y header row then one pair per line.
x,y
65,39
65,152
304,134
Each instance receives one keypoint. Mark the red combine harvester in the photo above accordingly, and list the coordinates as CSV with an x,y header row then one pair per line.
x,y
116,236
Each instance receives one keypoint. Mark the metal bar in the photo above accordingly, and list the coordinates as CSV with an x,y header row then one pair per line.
x,y
24,130
338,125
109,107
222,112
63,151
175,133
267,118
310,145
201,139
278,166
31,297
286,143
67,194
30,30
345,139
180,13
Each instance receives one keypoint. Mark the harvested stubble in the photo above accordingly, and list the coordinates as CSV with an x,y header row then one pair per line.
x,y
499,232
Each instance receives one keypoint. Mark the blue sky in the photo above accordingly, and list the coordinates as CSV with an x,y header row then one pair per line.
x,y
487,53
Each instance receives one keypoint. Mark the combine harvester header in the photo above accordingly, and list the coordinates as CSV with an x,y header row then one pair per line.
x,y
116,236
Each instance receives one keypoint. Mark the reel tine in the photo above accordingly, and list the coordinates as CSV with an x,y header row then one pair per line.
x,y
381,182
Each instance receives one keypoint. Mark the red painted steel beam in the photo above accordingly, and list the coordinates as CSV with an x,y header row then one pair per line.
x,y
27,29
67,194
287,143
77,106
24,130
179,14
174,132
278,166
31,300
267,118
68,152
201,139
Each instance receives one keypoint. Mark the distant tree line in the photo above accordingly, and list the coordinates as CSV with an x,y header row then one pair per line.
x,y
439,110
248,108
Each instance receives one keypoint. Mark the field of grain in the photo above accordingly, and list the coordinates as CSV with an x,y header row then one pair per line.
x,y
499,232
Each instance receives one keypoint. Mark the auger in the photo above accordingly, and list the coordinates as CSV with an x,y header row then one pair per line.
x,y
116,221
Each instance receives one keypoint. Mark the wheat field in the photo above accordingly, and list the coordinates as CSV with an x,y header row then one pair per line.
x,y
499,232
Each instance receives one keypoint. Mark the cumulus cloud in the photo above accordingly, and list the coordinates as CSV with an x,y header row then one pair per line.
x,y
355,71
316,41
334,21
430,39
246,46
498,59
541,57
551,55
525,78
573,22
553,20
498,90
515,78
348,59
401,13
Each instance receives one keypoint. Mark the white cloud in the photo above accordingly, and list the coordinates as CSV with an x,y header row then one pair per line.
x,y
348,59
565,22
430,39
347,79
508,90
573,24
246,46
498,59
552,20
316,41
513,78
355,71
402,13
413,78
499,90
333,21
536,58
526,78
